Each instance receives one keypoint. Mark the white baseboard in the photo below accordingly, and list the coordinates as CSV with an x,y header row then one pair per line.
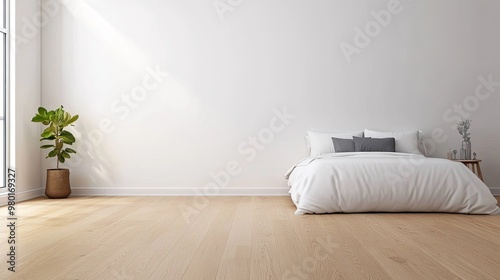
x,y
25,195
21,196
495,191
178,192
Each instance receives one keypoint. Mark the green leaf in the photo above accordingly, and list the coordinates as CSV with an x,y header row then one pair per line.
x,y
49,138
67,116
72,120
38,118
71,151
65,154
60,114
42,111
66,141
53,153
48,129
47,134
67,136
61,158
47,146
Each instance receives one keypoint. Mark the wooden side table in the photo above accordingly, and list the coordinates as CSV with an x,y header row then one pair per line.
x,y
473,164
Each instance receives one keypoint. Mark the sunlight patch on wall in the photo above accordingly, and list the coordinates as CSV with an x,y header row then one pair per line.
x,y
84,13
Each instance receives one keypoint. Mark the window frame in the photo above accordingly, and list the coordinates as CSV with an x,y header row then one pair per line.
x,y
5,86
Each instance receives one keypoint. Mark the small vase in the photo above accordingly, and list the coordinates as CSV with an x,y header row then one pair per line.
x,y
467,150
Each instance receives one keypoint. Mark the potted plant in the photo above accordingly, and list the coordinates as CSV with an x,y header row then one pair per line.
x,y
57,184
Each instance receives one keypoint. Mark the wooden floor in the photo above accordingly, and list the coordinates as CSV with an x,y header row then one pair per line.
x,y
234,238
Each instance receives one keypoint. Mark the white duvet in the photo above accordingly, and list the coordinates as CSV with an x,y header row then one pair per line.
x,y
387,182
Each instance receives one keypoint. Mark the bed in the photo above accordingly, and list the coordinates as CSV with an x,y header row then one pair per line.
x,y
351,182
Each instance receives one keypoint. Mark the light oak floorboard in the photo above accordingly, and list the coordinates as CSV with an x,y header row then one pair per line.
x,y
122,238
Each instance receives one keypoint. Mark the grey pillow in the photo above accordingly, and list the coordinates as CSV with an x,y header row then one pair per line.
x,y
374,144
341,145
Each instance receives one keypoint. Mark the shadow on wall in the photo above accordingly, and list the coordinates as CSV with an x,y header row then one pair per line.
x,y
90,164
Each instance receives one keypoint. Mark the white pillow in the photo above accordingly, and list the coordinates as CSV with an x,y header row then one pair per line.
x,y
406,142
321,142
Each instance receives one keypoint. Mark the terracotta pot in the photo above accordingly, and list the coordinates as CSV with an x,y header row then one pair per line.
x,y
57,185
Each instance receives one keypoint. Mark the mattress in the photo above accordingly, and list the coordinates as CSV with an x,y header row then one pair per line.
x,y
386,182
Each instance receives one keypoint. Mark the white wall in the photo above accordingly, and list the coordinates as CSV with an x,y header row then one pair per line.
x,y
227,76
26,91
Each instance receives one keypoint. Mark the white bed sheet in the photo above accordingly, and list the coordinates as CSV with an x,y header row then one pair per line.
x,y
386,182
